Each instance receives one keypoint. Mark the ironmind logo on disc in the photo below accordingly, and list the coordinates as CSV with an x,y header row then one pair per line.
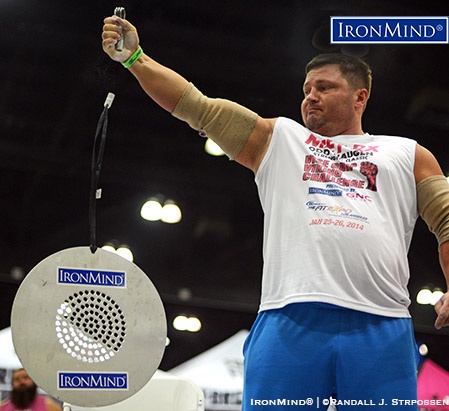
x,y
92,380
78,276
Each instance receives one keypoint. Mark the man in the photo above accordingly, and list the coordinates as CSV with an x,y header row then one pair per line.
x,y
340,208
24,395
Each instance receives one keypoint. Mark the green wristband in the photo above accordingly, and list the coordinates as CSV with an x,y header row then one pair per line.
x,y
134,57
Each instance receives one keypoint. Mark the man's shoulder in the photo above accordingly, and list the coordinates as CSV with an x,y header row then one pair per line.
x,y
3,403
51,404
389,137
286,124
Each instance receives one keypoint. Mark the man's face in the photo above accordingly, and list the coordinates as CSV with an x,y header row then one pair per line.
x,y
21,380
329,105
23,389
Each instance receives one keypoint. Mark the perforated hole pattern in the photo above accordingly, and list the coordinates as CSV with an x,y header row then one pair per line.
x,y
90,326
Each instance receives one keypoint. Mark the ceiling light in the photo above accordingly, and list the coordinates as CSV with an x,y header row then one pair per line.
x,y
193,325
179,323
109,248
125,252
213,148
423,349
171,213
151,210
122,251
436,295
183,323
429,295
424,296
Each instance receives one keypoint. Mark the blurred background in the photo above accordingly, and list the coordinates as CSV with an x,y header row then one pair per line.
x,y
205,260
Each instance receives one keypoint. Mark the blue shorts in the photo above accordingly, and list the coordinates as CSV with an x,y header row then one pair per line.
x,y
306,353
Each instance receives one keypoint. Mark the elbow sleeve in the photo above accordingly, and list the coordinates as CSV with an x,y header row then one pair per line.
x,y
227,123
433,205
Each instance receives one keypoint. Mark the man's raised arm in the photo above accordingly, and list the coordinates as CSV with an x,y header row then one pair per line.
x,y
240,132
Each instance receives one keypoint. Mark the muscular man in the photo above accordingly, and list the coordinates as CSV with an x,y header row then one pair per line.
x,y
333,317
24,396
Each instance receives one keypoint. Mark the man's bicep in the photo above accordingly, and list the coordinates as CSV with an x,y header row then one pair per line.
x,y
257,145
426,165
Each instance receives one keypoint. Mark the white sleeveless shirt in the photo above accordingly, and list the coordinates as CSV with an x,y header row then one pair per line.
x,y
339,217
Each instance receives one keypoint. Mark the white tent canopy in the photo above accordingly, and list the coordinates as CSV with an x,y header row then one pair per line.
x,y
8,362
219,373
8,356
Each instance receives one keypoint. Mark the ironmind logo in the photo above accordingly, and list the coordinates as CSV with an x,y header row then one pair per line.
x,y
92,381
79,276
393,30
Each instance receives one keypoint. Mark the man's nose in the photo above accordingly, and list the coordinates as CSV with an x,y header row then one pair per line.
x,y
312,95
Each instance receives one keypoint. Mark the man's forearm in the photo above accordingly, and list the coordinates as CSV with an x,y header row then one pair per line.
x,y
442,306
444,261
162,84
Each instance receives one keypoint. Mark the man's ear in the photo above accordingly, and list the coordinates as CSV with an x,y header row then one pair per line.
x,y
362,96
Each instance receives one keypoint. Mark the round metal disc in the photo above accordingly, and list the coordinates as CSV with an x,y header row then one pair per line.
x,y
89,328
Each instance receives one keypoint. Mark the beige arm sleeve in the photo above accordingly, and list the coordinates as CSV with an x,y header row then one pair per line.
x,y
433,205
227,123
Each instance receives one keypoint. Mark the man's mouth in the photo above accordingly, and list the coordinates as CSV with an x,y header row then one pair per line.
x,y
312,110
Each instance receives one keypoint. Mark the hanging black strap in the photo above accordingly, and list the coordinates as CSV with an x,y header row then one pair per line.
x,y
97,161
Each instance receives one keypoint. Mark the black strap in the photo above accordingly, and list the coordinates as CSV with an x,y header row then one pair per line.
x,y
97,161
